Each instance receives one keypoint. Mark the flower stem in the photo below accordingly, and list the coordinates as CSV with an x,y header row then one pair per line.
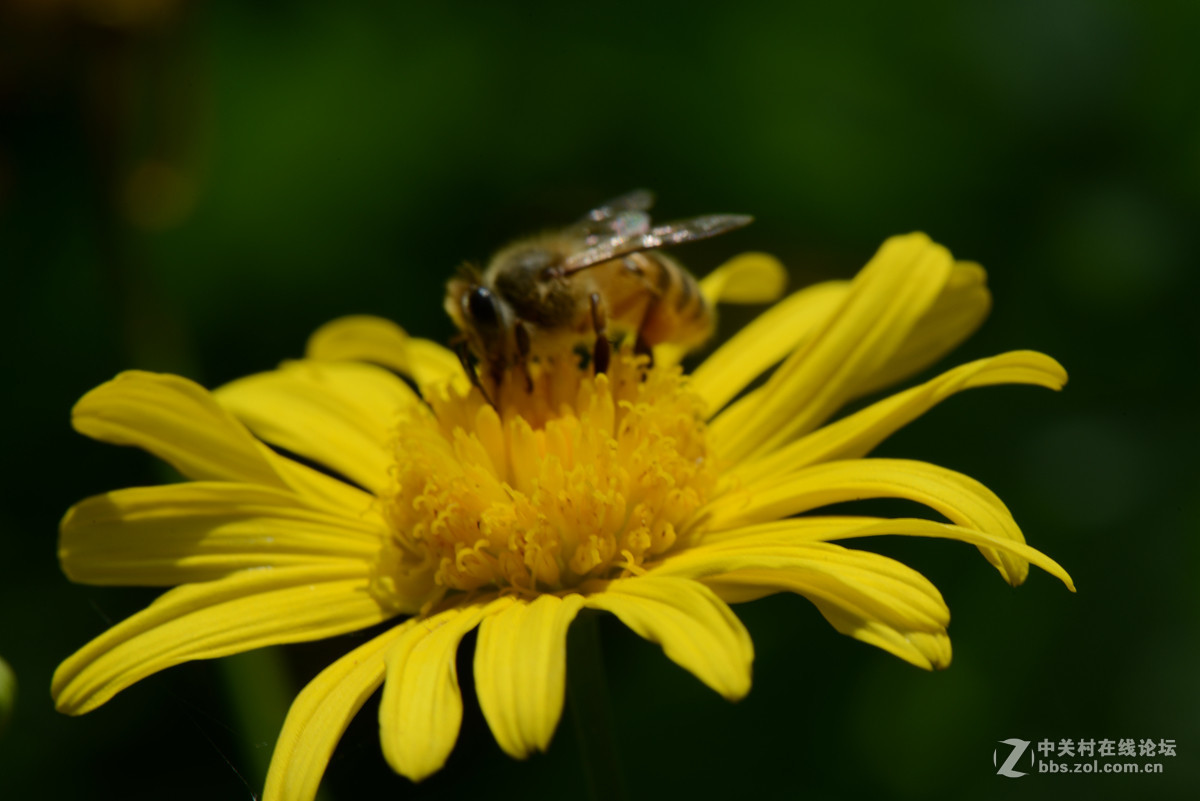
x,y
587,692
8,693
259,690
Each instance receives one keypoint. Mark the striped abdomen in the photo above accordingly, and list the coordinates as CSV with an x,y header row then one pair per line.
x,y
675,311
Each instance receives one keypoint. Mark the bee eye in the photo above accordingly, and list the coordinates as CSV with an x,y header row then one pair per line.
x,y
481,305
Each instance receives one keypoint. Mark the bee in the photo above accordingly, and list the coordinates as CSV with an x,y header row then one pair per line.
x,y
603,276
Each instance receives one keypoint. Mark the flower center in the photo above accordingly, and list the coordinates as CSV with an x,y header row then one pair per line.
x,y
578,477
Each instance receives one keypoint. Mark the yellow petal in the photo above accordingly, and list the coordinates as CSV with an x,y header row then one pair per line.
x,y
374,339
237,613
339,414
782,534
520,671
983,540
746,278
958,311
856,435
178,421
884,303
961,498
181,533
770,337
320,714
794,529
421,710
864,595
924,647
695,628
874,584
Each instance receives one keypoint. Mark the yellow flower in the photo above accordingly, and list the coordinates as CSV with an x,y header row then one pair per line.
x,y
640,492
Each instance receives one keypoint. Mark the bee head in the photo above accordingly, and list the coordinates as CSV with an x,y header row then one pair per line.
x,y
483,316
481,306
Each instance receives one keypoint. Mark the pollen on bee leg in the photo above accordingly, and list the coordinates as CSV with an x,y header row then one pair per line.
x,y
586,476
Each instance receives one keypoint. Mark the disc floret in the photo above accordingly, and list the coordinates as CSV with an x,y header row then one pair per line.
x,y
570,476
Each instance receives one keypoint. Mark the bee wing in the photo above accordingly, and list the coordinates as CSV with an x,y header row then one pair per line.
x,y
637,200
624,216
680,231
673,233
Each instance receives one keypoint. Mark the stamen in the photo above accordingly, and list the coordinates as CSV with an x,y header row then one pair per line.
x,y
578,476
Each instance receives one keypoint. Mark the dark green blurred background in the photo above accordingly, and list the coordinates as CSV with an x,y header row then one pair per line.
x,y
195,188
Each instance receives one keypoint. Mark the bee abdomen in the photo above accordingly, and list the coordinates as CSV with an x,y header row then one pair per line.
x,y
680,312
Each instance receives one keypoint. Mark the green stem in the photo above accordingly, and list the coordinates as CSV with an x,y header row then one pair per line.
x,y
259,690
8,693
587,693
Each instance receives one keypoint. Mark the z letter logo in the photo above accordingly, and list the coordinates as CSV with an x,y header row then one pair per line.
x,y
1018,749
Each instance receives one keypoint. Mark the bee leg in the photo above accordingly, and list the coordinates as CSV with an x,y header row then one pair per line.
x,y
522,336
464,358
602,350
642,348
